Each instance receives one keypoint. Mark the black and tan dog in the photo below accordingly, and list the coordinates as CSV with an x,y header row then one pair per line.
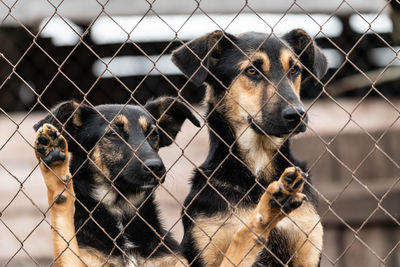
x,y
111,152
250,176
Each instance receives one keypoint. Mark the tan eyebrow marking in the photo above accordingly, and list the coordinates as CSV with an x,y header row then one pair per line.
x,y
121,120
144,123
285,56
254,57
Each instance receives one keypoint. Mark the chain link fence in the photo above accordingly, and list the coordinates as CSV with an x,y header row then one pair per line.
x,y
100,52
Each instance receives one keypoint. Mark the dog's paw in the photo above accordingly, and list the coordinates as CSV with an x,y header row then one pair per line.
x,y
50,146
280,198
51,149
286,192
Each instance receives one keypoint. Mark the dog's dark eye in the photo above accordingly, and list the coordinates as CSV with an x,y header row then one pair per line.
x,y
152,132
251,71
294,70
112,134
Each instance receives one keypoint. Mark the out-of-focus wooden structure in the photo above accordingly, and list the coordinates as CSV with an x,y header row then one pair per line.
x,y
351,145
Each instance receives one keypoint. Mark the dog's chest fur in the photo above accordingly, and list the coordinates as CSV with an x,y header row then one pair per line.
x,y
130,259
257,151
213,235
114,202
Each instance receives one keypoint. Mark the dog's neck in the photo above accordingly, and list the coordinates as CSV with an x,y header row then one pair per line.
x,y
115,203
255,150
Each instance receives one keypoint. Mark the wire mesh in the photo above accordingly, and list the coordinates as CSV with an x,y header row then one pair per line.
x,y
350,145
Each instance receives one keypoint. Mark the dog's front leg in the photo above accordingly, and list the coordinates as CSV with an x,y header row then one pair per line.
x,y
51,149
280,198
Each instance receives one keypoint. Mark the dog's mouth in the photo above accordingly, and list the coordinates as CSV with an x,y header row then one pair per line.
x,y
153,182
148,186
280,131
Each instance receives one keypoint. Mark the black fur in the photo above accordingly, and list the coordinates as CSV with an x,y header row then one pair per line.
x,y
196,58
86,128
219,53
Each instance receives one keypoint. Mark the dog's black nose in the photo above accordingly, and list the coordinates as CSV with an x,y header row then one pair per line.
x,y
154,165
293,114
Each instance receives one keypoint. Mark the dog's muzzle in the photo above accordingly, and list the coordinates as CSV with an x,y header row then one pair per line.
x,y
289,122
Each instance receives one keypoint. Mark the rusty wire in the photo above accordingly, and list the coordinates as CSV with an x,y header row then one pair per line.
x,y
131,91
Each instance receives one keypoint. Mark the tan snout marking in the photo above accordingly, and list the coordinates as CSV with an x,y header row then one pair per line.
x,y
297,85
243,99
245,95
246,98
98,165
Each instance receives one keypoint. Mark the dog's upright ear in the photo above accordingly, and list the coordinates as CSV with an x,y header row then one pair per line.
x,y
198,57
170,115
67,117
311,55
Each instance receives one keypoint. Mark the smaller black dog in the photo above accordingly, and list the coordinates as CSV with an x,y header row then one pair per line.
x,y
115,167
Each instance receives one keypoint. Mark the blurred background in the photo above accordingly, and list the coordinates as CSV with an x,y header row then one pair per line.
x,y
119,52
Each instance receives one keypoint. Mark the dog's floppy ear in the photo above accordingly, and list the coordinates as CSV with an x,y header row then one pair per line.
x,y
197,57
170,115
311,55
66,116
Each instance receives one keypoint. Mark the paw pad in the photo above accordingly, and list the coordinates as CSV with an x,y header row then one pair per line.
x,y
286,192
50,145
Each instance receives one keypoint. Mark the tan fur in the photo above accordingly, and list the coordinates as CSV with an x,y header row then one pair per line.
x,y
286,57
144,123
93,257
76,119
121,120
254,56
98,165
167,260
213,235
306,234
244,99
245,245
297,85
257,151
113,153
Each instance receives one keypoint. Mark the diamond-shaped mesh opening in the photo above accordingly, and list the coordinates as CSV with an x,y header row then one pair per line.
x,y
116,52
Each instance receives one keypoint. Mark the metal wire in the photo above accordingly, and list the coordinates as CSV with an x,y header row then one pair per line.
x,y
341,258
